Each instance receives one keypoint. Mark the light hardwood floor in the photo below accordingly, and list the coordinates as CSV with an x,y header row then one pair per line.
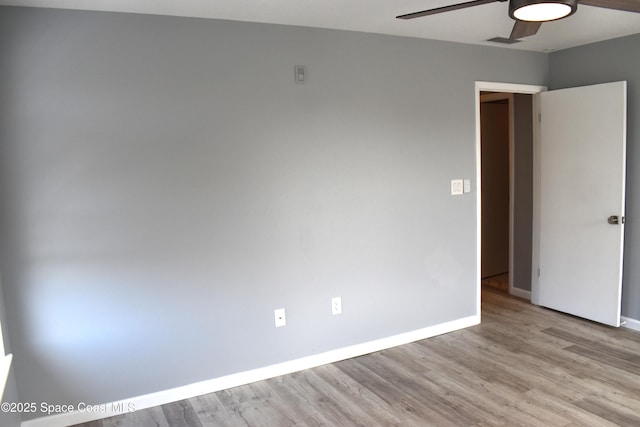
x,y
523,366
500,282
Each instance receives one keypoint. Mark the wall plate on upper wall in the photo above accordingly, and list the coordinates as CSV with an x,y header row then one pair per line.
x,y
301,73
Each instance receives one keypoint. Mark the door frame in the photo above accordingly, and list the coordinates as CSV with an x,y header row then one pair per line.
x,y
509,88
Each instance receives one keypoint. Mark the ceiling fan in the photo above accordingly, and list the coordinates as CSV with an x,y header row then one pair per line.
x,y
530,14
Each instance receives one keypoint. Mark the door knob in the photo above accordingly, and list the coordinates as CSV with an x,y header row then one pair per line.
x,y
615,219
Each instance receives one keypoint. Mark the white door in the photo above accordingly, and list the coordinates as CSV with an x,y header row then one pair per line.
x,y
582,184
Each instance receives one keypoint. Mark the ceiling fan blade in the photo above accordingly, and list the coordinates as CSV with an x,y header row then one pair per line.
x,y
446,8
626,5
524,29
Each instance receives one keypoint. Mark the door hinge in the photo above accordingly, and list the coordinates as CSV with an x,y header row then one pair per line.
x,y
538,272
540,117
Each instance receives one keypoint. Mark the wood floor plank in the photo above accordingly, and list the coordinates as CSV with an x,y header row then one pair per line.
x,y
613,351
433,398
301,408
467,388
410,409
358,400
522,366
151,417
610,411
212,412
280,407
324,399
181,414
251,408
569,411
355,409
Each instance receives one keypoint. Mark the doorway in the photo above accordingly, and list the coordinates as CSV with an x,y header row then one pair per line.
x,y
496,125
572,151
505,185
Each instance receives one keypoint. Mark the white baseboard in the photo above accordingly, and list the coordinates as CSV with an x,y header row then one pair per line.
x,y
631,323
241,378
517,292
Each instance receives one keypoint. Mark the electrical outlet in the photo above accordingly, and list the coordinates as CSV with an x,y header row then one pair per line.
x,y
336,305
280,317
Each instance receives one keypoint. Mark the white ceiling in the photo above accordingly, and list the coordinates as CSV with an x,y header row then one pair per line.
x,y
472,25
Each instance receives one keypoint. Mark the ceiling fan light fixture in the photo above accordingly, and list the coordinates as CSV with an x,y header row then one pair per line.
x,y
541,10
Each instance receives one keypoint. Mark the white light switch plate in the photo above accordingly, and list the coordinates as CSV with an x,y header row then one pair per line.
x,y
467,186
457,187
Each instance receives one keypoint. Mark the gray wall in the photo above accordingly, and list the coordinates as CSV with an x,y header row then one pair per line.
x,y
603,62
166,185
